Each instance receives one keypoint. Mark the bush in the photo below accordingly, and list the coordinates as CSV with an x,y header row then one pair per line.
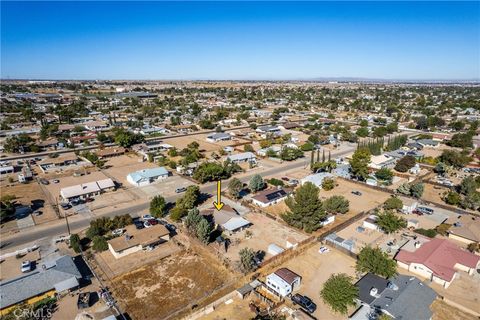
x,y
276,182
328,184
336,204
404,164
158,206
256,183
99,244
75,243
426,232
453,198
393,203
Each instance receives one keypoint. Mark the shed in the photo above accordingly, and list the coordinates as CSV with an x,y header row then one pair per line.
x,y
273,249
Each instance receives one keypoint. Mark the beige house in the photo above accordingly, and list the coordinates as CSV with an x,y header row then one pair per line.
x,y
465,229
135,240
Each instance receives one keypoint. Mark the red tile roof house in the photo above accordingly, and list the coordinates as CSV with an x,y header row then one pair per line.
x,y
437,259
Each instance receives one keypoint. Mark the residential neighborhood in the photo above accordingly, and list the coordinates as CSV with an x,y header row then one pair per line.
x,y
240,160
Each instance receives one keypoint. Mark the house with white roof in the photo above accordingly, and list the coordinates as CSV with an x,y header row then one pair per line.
x,y
87,190
219,136
317,178
147,176
243,157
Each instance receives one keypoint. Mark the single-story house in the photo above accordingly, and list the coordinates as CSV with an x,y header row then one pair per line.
x,y
151,147
110,152
402,297
428,143
317,178
242,157
465,229
87,190
265,151
283,282
58,162
45,281
135,240
96,125
269,197
436,259
147,176
153,130
226,219
382,161
268,129
219,136
7,169
371,222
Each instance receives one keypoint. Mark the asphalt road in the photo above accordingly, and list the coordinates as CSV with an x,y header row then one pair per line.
x,y
80,222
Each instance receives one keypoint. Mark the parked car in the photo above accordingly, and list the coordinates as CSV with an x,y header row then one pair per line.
x,y
305,302
285,179
425,210
138,224
180,190
75,202
89,200
152,221
357,193
147,224
55,181
147,217
323,250
118,232
170,227
293,182
162,222
65,206
26,266
44,181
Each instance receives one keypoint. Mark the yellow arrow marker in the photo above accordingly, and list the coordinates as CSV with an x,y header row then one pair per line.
x,y
219,204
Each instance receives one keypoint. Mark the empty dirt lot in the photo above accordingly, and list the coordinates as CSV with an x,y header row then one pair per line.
x,y
159,289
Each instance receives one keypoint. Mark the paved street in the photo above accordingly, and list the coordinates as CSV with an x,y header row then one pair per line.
x,y
80,221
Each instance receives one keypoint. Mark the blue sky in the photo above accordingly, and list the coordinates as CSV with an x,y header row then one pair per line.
x,y
233,40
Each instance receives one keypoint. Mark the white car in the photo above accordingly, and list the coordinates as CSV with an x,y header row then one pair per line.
x,y
147,217
26,266
147,224
323,250
118,232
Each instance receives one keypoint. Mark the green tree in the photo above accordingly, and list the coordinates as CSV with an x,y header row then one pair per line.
x,y
362,132
339,292
306,210
389,222
471,201
247,260
468,185
393,203
454,158
75,243
376,261
185,203
384,174
204,228
359,163
404,164
416,190
99,244
192,220
453,198
336,204
289,154
256,183
235,186
328,184
158,206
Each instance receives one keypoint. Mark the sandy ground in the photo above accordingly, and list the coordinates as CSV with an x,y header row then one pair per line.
x,y
265,231
159,289
116,267
26,193
205,146
443,311
11,266
119,167
315,269
236,310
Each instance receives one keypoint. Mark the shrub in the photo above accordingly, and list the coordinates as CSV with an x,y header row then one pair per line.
x,y
426,232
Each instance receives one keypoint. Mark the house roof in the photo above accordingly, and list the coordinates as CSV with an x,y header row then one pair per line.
x,y
270,195
110,151
404,297
287,275
60,159
440,256
148,174
219,135
466,227
235,223
241,156
142,237
86,188
58,273
317,178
